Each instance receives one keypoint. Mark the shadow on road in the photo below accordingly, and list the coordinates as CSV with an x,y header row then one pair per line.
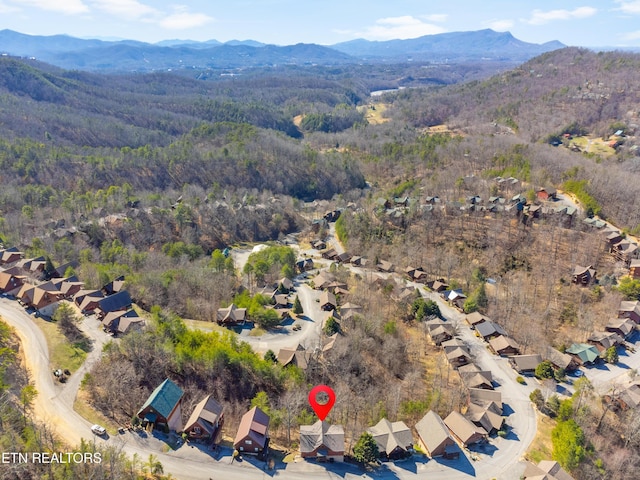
x,y
461,464
411,464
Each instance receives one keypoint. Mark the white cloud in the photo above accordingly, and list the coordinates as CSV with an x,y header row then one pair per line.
x,y
398,27
69,7
4,8
538,17
128,9
632,7
501,25
436,17
184,20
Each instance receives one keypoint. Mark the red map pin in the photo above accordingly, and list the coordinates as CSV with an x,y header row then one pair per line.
x,y
321,399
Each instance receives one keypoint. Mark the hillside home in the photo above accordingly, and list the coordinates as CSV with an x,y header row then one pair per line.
x,y
206,420
122,322
625,251
485,416
253,433
385,266
584,353
604,340
545,470
475,318
114,303
458,357
504,346
477,379
525,363
114,286
231,315
463,430
394,439
584,275
560,360
489,330
625,327
163,407
299,357
322,441
328,301
434,437
629,309
11,281
10,255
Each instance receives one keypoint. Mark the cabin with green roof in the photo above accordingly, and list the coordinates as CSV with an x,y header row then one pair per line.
x,y
163,406
583,353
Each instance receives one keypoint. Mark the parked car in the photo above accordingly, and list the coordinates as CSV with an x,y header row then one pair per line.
x,y
98,430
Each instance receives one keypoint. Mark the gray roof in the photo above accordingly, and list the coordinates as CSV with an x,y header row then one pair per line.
x,y
433,432
486,329
321,434
391,436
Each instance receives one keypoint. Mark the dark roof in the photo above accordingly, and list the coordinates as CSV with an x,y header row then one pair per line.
x,y
164,398
208,411
486,329
117,301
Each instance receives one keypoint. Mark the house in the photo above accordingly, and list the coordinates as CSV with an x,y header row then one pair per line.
x,y
525,363
329,254
561,360
114,286
304,265
583,353
475,318
625,251
349,310
504,346
481,396
338,288
299,357
477,379
344,257
584,275
434,437
629,309
394,439
358,261
489,330
328,301
69,288
113,303
627,398
231,315
545,470
604,340
280,300
458,357
634,268
485,416
10,255
322,441
87,300
455,297
318,244
285,285
546,194
442,333
452,344
122,322
11,281
44,297
253,433
438,285
205,421
385,266
463,430
163,407
322,280
624,327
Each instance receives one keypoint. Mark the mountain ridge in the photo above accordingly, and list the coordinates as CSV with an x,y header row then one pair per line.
x,y
129,55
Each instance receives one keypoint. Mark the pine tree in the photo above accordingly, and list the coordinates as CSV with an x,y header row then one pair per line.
x,y
366,449
297,306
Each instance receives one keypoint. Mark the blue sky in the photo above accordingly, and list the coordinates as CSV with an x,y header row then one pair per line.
x,y
588,23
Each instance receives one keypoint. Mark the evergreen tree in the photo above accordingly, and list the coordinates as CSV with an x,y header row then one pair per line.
x,y
365,450
297,306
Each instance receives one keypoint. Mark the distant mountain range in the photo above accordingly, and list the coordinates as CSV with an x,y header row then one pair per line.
x,y
128,55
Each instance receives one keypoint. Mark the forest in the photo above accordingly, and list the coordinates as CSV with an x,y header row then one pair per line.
x,y
150,176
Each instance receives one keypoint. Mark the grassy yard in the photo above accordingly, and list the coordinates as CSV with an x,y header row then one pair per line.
x,y
373,113
82,407
541,447
62,353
